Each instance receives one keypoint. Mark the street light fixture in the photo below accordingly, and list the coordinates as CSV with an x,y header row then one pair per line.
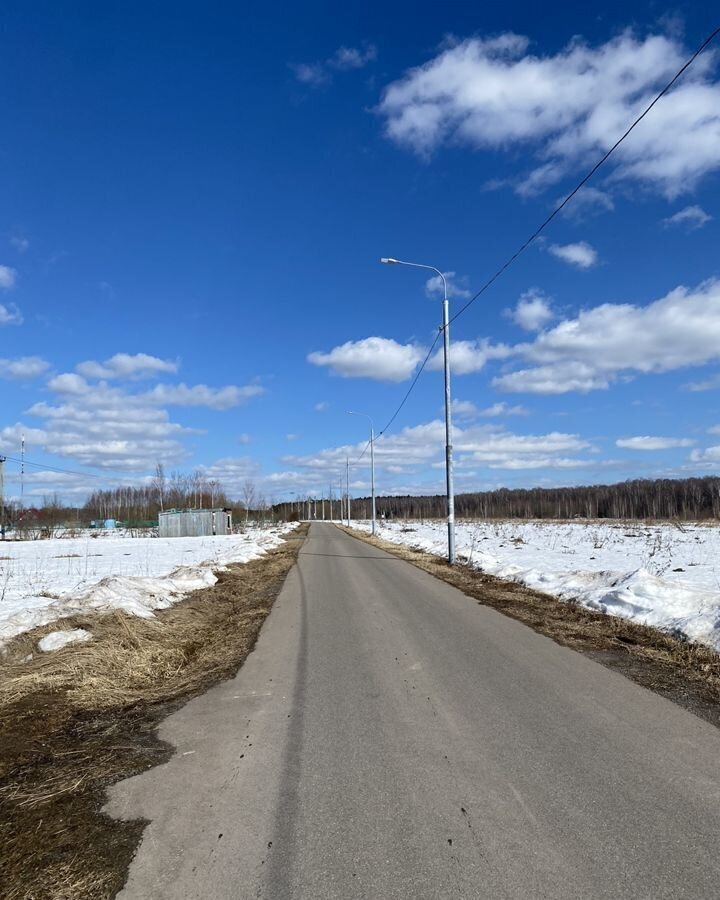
x,y
372,461
448,420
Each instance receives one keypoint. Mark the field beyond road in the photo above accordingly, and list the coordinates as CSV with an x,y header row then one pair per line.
x,y
389,737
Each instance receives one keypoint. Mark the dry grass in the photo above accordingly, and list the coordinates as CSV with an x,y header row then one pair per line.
x,y
684,672
78,719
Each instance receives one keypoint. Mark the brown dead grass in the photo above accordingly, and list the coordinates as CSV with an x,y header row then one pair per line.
x,y
685,672
78,719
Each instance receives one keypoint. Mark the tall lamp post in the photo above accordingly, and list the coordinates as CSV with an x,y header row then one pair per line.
x,y
448,419
372,461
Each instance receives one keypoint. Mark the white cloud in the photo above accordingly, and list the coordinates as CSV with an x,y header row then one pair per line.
x,y
382,359
692,217
569,107
581,254
648,442
10,315
588,201
202,395
322,406
23,367
312,74
244,438
611,341
434,286
126,365
708,455
533,311
467,357
466,409
415,448
20,243
7,278
346,58
11,437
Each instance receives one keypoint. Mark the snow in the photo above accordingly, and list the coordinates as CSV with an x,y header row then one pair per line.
x,y
45,580
666,576
57,639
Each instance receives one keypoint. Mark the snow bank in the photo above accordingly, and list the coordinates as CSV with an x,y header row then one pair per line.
x,y
659,575
41,581
57,639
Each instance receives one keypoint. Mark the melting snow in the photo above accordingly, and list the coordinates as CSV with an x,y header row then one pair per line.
x,y
41,581
659,575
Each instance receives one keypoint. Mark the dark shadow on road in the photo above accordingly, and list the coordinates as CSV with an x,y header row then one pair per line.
x,y
281,857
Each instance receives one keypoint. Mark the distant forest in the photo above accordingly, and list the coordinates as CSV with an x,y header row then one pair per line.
x,y
688,499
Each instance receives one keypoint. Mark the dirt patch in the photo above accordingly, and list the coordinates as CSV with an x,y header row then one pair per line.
x,y
74,721
686,673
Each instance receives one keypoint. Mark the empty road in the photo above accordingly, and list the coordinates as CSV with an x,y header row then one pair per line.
x,y
391,738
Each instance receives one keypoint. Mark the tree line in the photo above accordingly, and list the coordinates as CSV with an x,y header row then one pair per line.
x,y
687,499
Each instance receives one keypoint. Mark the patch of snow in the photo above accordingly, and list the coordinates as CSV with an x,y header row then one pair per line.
x,y
658,575
41,581
57,639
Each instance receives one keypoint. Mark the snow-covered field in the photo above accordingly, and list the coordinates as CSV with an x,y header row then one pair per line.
x,y
41,581
667,576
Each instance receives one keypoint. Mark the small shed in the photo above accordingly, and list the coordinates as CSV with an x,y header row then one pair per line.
x,y
194,522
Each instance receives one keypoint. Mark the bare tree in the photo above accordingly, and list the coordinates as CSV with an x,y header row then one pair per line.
x,y
158,484
248,496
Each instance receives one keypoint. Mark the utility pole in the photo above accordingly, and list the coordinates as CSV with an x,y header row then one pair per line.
x,y
2,497
331,499
448,419
372,462
347,488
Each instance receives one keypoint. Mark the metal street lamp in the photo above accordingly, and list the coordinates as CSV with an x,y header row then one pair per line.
x,y
372,461
448,420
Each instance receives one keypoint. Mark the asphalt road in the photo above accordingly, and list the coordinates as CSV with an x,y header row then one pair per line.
x,y
391,738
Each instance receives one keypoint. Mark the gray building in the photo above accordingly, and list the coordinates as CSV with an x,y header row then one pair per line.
x,y
194,522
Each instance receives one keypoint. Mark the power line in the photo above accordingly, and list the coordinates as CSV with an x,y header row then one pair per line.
x,y
549,219
414,382
48,468
407,394
587,178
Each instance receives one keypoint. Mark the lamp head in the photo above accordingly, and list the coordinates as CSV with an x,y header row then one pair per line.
x,y
388,260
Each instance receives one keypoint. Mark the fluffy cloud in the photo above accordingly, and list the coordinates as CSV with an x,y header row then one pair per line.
x,y
10,315
23,367
322,406
467,357
127,365
7,278
533,311
570,107
648,442
417,447
434,286
597,347
382,359
581,254
692,217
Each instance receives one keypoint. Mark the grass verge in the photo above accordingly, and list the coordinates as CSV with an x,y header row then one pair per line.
x,y
78,719
684,672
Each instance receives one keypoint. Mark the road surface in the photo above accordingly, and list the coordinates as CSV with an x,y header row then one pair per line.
x,y
391,738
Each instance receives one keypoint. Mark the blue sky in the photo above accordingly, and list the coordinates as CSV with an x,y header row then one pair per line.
x,y
195,199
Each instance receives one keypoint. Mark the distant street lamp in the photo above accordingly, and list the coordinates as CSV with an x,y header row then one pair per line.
x,y
372,461
448,421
